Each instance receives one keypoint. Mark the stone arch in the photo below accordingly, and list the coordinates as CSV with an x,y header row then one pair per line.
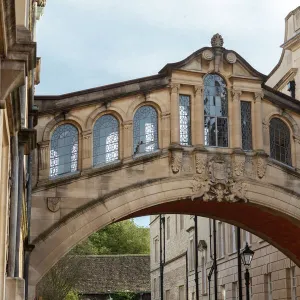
x,y
141,101
276,211
59,120
102,110
223,75
286,118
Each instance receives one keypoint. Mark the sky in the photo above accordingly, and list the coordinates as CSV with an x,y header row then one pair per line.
x,y
85,44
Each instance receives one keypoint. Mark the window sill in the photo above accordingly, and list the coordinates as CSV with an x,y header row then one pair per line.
x,y
65,175
107,165
281,164
145,155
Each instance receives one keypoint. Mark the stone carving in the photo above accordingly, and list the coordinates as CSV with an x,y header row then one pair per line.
x,y
217,40
174,88
231,192
249,167
176,161
231,57
236,94
201,160
239,165
258,96
53,203
219,185
207,54
261,166
219,170
187,165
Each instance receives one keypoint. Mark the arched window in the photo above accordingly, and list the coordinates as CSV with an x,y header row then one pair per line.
x,y
64,150
215,111
280,142
145,130
105,140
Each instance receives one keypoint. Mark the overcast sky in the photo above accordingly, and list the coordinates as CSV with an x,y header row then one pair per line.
x,y
89,43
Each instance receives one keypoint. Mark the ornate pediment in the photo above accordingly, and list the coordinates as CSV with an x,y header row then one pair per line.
x,y
215,58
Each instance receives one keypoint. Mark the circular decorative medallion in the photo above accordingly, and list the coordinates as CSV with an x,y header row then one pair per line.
x,y
207,54
231,57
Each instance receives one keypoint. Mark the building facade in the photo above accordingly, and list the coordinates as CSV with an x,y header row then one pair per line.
x,y
19,73
182,258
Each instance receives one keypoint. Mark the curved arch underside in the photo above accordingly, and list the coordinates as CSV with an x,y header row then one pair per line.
x,y
272,214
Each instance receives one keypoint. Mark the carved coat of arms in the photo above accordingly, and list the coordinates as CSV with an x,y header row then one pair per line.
x,y
219,185
53,203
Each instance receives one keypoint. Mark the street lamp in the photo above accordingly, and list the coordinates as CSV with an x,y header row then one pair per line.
x,y
247,256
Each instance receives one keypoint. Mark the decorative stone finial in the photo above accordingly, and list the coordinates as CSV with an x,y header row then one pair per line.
x,y
41,3
217,40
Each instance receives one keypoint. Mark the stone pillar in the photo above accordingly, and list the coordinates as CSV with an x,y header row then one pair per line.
x,y
174,108
128,139
165,130
87,153
235,116
198,117
258,128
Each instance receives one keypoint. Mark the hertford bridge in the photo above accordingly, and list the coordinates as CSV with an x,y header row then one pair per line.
x,y
205,136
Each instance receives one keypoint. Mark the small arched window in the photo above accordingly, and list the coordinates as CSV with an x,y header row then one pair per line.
x,y
64,150
145,130
280,141
215,111
105,140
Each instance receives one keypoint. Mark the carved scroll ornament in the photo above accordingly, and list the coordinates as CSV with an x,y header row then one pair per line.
x,y
176,161
261,166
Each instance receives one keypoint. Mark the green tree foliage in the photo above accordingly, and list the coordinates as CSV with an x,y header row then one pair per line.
x,y
60,281
119,238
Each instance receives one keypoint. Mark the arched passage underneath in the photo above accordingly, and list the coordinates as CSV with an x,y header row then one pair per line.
x,y
270,213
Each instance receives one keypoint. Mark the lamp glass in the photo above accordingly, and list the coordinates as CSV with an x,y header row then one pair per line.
x,y
247,256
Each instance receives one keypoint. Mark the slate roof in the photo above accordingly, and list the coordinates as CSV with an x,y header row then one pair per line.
x,y
100,274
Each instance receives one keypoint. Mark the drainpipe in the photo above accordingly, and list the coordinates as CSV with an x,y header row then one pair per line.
x,y
13,206
161,222
215,259
196,257
19,210
239,262
186,276
22,94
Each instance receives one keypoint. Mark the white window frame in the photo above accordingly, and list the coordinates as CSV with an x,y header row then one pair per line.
x,y
181,221
223,292
270,286
156,253
181,286
168,235
191,254
233,233
293,283
204,275
221,239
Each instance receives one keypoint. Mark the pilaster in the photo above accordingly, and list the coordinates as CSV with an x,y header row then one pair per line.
x,y
198,116
174,105
165,130
128,139
87,156
44,160
235,116
258,126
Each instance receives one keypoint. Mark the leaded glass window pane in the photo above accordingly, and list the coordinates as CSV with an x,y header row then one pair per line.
x,y
215,111
64,150
145,130
246,125
185,119
280,143
105,140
